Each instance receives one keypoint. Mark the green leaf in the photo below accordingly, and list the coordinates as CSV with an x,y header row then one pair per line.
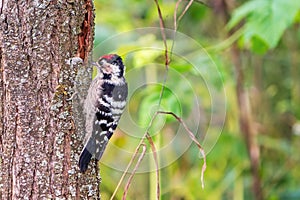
x,y
244,11
258,45
265,19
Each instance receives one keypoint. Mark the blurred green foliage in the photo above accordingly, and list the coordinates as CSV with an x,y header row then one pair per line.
x,y
268,35
266,21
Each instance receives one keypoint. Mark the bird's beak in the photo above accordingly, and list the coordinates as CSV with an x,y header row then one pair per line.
x,y
93,63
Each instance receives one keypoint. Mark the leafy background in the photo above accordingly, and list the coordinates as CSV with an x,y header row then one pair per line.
x,y
267,36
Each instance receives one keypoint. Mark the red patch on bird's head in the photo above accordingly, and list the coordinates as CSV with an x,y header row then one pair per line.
x,y
109,56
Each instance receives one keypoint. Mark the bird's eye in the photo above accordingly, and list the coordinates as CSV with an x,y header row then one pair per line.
x,y
101,62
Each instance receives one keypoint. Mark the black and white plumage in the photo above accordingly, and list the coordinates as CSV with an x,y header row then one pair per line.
x,y
103,106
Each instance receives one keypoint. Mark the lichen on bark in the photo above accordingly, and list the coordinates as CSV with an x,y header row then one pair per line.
x,y
39,140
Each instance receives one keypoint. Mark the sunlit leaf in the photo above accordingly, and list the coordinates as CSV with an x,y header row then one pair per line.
x,y
266,20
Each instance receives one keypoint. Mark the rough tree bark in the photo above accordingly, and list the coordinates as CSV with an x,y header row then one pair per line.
x,y
39,139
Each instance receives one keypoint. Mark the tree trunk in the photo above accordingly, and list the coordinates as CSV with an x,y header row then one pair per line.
x,y
246,121
40,127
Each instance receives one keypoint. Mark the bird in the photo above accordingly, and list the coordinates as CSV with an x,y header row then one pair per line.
x,y
103,107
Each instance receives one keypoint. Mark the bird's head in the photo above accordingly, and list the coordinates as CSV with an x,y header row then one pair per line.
x,y
111,65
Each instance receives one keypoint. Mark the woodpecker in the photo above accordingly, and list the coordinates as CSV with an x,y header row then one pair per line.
x,y
103,106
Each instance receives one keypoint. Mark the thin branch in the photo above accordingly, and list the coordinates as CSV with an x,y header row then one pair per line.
x,y
156,163
133,172
126,170
185,9
176,20
194,140
146,135
175,15
133,157
167,59
163,34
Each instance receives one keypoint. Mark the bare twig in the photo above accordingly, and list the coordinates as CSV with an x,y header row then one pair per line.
x,y
182,14
175,15
163,34
167,59
190,2
194,140
133,157
177,19
185,10
133,172
126,171
156,164
141,144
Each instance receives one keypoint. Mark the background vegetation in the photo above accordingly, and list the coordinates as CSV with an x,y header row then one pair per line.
x,y
255,46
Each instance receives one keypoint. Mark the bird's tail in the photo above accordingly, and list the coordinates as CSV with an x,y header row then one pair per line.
x,y
86,154
94,147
